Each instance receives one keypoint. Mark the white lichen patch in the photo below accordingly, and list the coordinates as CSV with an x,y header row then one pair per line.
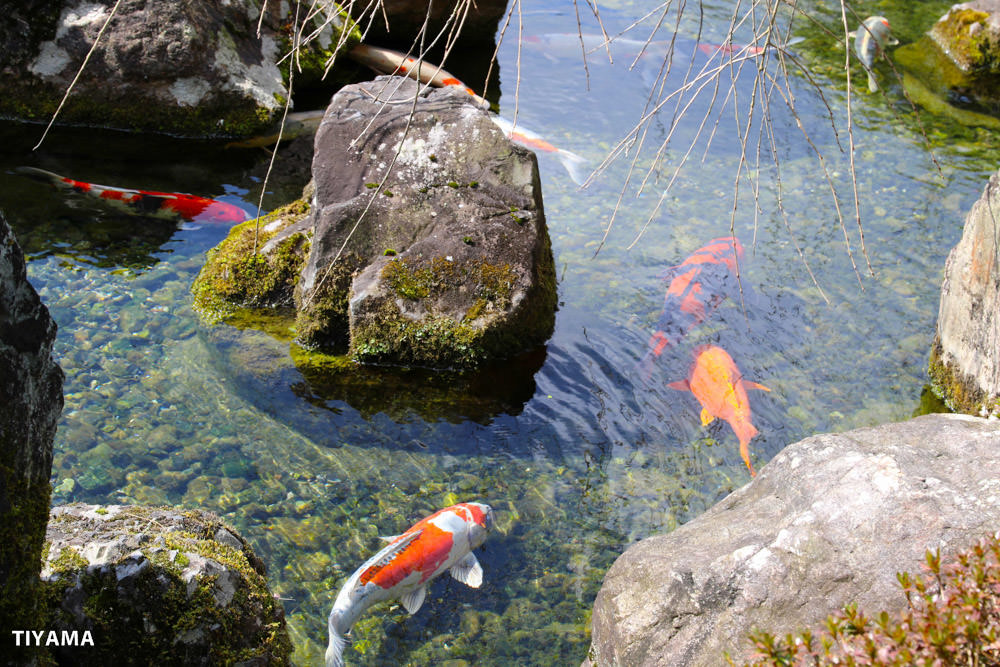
x,y
414,153
80,16
51,60
190,91
261,82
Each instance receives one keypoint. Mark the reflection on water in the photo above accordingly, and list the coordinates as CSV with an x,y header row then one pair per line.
x,y
577,450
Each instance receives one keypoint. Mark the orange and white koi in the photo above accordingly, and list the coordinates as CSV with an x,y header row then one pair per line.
x,y
722,392
171,205
693,292
872,36
387,61
402,570
575,165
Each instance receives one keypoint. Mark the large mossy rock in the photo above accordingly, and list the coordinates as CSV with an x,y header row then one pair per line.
x,y
426,241
31,402
828,521
965,357
192,68
157,586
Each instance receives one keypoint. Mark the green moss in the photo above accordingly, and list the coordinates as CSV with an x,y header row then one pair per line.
x,y
972,48
958,391
322,320
235,276
22,536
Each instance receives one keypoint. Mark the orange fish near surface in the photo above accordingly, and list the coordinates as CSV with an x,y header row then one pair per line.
x,y
402,569
693,292
720,388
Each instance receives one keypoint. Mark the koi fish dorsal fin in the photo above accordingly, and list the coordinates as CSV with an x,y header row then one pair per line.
x,y
387,555
468,571
754,385
388,538
413,600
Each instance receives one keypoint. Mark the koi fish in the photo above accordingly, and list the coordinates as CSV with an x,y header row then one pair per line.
x,y
171,205
722,392
688,303
403,568
387,61
297,124
575,165
872,36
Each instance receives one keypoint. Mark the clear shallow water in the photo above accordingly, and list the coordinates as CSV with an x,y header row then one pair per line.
x,y
578,452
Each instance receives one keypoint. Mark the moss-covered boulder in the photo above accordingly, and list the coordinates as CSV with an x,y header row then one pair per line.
x,y
965,357
970,34
31,402
253,269
437,219
191,68
157,586
426,238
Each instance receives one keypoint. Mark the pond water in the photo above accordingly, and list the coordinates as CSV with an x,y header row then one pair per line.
x,y
579,449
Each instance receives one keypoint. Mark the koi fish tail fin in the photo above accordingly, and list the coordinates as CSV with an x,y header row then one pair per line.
x,y
872,83
577,166
39,175
335,648
747,432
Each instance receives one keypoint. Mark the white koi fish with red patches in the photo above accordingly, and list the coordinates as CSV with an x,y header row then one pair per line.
x,y
171,205
387,61
402,569
575,165
870,39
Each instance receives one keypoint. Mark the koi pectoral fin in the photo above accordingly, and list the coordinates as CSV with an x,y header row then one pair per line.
x,y
680,385
755,385
468,571
706,417
413,600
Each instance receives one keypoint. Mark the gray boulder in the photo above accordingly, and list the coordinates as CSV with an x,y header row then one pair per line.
x,y
829,520
195,68
425,243
31,402
155,586
965,358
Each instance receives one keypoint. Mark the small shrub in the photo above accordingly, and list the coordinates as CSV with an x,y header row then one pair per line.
x,y
952,618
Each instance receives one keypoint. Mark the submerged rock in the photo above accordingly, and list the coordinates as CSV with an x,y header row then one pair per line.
x,y
159,586
31,402
830,520
965,357
194,68
954,70
427,242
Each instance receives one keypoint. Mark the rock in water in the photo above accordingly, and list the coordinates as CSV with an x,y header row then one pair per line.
x,y
965,358
160,586
31,402
829,520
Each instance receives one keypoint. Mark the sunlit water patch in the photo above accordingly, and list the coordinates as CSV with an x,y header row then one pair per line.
x,y
578,450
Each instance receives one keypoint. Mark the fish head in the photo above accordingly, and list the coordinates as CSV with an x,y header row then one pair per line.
x,y
223,213
480,521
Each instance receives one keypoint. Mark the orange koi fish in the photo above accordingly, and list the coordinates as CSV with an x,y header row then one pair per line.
x,y
171,205
722,392
688,302
387,61
402,569
575,165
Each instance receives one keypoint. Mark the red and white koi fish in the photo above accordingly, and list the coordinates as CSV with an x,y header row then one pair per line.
x,y
387,61
872,36
689,301
402,569
722,392
575,165
171,205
